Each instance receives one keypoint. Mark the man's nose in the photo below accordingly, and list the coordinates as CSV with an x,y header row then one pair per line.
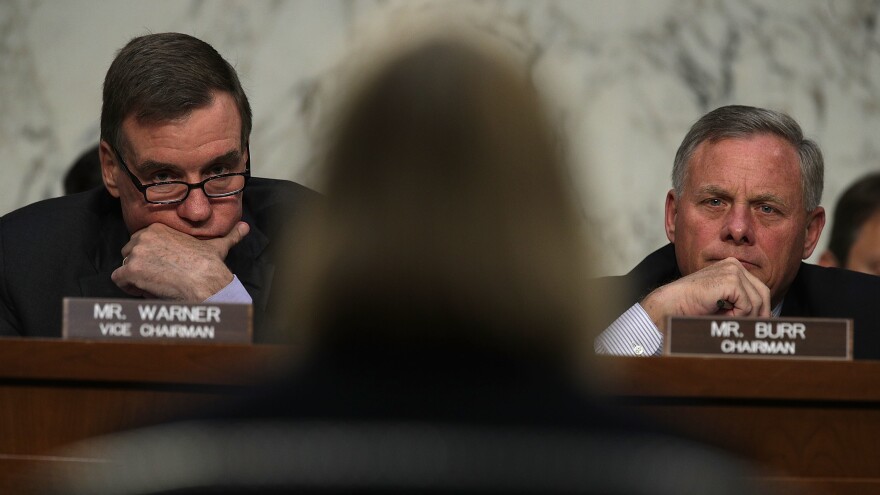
x,y
739,225
196,207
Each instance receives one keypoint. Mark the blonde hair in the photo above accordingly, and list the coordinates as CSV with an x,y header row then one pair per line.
x,y
447,215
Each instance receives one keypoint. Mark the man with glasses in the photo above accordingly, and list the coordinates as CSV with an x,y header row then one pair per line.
x,y
180,216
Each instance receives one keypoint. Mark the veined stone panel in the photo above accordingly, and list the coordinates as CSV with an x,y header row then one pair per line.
x,y
627,79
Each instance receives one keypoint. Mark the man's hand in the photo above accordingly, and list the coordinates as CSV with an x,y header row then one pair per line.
x,y
698,294
160,262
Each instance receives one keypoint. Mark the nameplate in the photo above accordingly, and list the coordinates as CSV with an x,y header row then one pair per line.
x,y
156,320
799,338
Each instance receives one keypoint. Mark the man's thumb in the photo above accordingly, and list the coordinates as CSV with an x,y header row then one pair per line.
x,y
234,236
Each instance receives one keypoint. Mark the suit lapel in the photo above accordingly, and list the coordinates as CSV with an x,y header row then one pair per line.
x,y
658,269
247,262
107,255
796,302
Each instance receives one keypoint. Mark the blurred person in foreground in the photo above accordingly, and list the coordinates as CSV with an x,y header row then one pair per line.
x,y
179,217
855,233
445,314
744,210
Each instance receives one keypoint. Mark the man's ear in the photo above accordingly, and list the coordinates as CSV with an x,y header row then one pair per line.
x,y
815,224
828,259
109,169
671,212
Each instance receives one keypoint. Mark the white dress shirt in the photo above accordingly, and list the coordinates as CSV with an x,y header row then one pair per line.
x,y
634,334
234,292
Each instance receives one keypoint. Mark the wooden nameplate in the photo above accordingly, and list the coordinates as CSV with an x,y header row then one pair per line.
x,y
798,338
156,320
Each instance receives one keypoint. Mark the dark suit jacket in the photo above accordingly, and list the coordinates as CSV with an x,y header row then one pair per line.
x,y
815,292
69,246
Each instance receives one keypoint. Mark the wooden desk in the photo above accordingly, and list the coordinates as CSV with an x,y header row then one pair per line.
x,y
55,392
816,424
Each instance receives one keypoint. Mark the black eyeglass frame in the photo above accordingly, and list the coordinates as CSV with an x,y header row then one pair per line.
x,y
198,185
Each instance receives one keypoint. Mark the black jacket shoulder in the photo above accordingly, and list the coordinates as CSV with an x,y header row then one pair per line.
x,y
837,293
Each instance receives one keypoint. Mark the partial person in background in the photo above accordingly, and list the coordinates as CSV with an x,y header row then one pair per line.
x,y
855,233
180,217
443,312
85,173
744,210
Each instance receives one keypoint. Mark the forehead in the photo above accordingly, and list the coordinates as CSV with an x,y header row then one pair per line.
x,y
760,162
212,129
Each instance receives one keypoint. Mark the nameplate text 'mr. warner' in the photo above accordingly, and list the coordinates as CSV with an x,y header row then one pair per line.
x,y
156,320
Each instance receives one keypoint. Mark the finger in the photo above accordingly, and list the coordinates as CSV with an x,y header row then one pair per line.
x,y
749,301
237,233
126,249
759,294
135,238
120,278
225,243
741,290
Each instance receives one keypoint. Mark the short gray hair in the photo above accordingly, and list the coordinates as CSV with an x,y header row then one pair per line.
x,y
739,121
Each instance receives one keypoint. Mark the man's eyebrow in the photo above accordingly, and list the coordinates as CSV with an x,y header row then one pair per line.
x,y
232,156
768,198
712,190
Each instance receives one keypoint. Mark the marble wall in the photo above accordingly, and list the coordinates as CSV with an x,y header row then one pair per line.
x,y
628,78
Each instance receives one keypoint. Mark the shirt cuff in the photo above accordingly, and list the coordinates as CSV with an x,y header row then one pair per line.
x,y
234,292
631,334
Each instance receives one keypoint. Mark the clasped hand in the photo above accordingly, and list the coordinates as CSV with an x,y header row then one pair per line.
x,y
698,294
165,263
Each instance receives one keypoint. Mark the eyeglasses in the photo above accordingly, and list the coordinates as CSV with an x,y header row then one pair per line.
x,y
175,191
